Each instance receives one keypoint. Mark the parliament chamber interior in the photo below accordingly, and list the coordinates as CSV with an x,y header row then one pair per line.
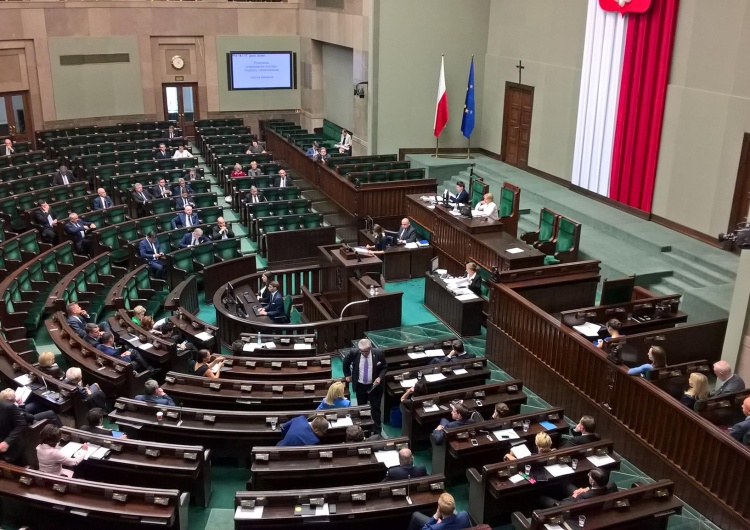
x,y
372,263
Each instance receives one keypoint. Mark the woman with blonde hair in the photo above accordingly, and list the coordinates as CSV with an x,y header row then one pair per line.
x,y
486,207
48,365
543,445
138,313
335,397
698,384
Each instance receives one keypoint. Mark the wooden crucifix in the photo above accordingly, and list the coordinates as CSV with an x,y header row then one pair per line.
x,y
520,67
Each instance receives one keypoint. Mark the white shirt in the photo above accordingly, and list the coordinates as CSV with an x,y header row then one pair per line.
x,y
486,210
183,154
9,150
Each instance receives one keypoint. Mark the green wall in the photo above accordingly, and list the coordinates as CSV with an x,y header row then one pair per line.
x,y
242,100
96,90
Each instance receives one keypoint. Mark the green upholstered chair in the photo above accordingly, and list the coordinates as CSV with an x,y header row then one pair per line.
x,y
378,176
161,205
299,206
227,249
414,173
542,237
107,239
477,189
182,264
312,220
204,200
508,209
290,222
566,242
396,174
114,215
128,168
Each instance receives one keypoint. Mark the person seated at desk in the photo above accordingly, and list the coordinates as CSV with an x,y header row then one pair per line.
x,y
107,346
254,170
543,444
204,364
275,307
221,230
102,202
182,153
445,517
457,353
419,389
162,153
254,148
740,430
138,313
92,395
141,197
486,208
381,241
460,415
322,155
462,196
182,187
313,151
407,233
658,359
161,190
727,381
150,250
171,134
12,429
254,197
153,393
194,238
48,365
335,397
51,460
501,411
32,411
95,424
583,433
147,324
169,331
282,180
183,201
45,220
185,219
264,294
613,330
697,389
298,431
475,281
345,143
237,172
79,230
78,318
599,484
63,177
406,468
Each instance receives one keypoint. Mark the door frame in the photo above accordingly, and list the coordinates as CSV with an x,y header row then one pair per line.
x,y
741,185
26,95
180,104
506,108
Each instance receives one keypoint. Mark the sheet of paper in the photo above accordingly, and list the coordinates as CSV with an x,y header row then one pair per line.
x,y
159,322
215,368
460,371
146,346
514,250
303,346
91,450
505,434
70,448
520,451
432,408
553,527
270,345
322,510
431,378
434,353
411,245
23,380
589,329
441,271
204,335
465,297
457,213
516,478
100,453
417,355
599,461
408,383
23,393
346,421
244,513
558,470
389,458
250,346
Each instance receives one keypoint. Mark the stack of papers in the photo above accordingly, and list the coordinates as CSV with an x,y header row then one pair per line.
x,y
250,346
245,513
516,478
514,250
270,345
303,346
559,470
204,336
520,451
434,353
389,458
408,383
505,434
411,245
346,421
588,329
23,380
72,448
465,297
23,393
431,408
460,371
431,378
417,355
600,461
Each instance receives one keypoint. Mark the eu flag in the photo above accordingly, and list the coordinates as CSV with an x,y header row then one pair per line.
x,y
467,123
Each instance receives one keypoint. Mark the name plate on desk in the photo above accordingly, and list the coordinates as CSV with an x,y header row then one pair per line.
x,y
317,501
153,453
364,451
173,415
247,504
553,417
228,362
301,364
190,455
214,386
325,454
331,417
161,501
479,394
263,457
325,362
117,448
437,486
365,413
398,492
308,388
26,481
359,497
120,497
119,368
246,388
277,388
209,418
276,364
169,379
249,364
511,389
60,488
309,340
272,419
119,406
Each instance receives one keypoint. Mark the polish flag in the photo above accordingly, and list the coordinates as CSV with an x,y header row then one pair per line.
x,y
441,108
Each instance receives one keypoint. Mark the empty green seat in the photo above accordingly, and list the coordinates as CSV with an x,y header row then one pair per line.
x,y
566,244
312,220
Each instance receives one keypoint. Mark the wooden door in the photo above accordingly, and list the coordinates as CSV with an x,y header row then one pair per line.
x,y
181,105
519,103
15,117
741,202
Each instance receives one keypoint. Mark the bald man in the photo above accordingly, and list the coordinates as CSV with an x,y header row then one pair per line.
x,y
406,468
406,234
739,430
726,380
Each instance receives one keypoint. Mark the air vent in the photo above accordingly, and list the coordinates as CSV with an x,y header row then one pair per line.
x,y
97,58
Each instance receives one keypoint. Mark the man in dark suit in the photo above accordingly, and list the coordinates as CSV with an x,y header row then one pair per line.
x,y
475,281
182,201
322,155
583,433
298,431
171,134
599,484
254,197
45,220
406,468
221,230
95,423
275,307
181,188
79,229
162,153
77,319
366,367
462,196
193,239
185,219
161,190
406,234
282,180
63,177
460,415
739,430
150,250
102,202
445,518
93,334
728,382
8,147
457,353
107,346
141,197
12,430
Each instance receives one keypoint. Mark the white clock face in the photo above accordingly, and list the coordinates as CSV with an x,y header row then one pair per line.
x,y
178,62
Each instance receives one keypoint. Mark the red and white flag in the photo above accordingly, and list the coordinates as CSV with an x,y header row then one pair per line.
x,y
441,108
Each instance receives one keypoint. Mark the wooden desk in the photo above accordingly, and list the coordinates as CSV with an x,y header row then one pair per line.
x,y
383,310
277,368
326,466
399,262
384,505
456,239
463,317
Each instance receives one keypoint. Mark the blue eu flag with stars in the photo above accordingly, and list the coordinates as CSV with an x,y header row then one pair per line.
x,y
467,123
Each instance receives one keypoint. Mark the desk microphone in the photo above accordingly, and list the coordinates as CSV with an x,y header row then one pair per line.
x,y
408,488
179,418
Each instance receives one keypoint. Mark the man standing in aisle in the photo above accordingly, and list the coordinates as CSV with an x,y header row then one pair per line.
x,y
365,368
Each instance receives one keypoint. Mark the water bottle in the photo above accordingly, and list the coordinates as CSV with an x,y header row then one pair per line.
x,y
259,341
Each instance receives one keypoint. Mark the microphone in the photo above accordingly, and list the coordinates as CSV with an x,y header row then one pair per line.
x,y
179,418
408,488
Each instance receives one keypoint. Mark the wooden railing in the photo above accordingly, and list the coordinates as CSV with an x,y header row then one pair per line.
x,y
659,433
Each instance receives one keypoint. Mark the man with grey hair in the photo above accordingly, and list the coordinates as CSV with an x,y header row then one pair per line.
x,y
102,202
726,380
153,393
365,368
193,239
63,177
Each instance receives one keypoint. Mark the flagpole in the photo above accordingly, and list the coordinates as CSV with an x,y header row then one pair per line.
x,y
437,146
